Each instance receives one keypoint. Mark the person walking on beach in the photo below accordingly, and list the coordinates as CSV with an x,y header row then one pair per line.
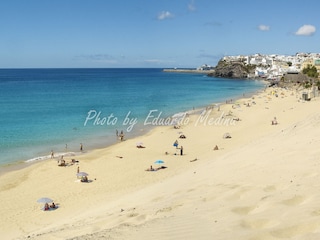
x,y
181,150
81,147
176,144
121,136
52,154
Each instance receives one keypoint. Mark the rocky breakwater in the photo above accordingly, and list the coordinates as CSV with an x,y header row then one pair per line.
x,y
233,69
185,70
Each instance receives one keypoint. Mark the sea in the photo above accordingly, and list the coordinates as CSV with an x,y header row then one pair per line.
x,y
44,110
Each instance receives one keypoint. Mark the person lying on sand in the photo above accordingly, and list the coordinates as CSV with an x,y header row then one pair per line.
x,y
74,161
162,167
155,169
151,169
140,146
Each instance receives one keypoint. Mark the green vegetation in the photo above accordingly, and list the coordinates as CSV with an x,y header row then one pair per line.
x,y
222,63
310,71
250,68
307,85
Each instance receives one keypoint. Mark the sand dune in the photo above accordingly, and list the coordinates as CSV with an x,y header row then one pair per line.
x,y
261,184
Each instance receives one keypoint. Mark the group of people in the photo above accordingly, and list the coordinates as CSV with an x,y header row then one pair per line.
x,y
47,207
151,169
121,135
52,152
176,144
83,178
155,169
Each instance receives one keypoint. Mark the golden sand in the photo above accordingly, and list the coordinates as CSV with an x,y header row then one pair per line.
x,y
262,183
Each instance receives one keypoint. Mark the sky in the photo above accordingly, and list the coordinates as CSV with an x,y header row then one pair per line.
x,y
151,33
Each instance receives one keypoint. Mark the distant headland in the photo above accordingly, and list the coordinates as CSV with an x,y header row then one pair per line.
x,y
270,67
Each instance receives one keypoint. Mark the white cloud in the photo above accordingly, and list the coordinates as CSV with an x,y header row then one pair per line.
x,y
306,30
191,6
164,15
264,27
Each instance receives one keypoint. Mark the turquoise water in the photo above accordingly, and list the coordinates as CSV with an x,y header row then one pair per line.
x,y
57,109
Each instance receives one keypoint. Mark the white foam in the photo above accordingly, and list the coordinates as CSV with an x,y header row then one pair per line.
x,y
46,157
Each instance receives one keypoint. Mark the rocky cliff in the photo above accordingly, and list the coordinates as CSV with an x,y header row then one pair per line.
x,y
231,70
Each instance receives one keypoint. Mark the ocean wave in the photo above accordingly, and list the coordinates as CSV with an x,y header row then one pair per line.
x,y
137,91
46,157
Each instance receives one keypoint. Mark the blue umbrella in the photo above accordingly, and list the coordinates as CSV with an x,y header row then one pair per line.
x,y
44,200
159,162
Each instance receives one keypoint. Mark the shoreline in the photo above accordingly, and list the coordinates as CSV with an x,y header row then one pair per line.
x,y
122,192
24,163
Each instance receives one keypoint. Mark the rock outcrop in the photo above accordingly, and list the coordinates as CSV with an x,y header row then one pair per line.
x,y
230,70
296,78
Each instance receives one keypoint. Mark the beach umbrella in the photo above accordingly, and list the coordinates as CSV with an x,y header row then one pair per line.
x,y
82,174
139,145
44,200
226,135
159,162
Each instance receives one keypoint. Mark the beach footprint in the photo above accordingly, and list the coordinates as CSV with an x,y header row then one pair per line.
x,y
243,210
249,210
239,193
296,230
258,223
164,210
294,201
270,188
315,212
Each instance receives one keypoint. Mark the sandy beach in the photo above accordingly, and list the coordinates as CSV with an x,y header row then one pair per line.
x,y
260,184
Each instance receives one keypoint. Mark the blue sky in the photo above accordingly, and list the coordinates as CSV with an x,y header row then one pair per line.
x,y
151,33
